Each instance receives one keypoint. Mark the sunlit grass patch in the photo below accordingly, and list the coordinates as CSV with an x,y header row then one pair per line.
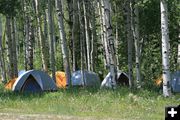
x,y
122,103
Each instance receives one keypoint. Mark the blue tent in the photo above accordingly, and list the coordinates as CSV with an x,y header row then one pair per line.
x,y
90,79
34,81
175,81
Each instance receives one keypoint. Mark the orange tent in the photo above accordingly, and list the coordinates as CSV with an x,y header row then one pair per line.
x,y
61,79
9,85
159,81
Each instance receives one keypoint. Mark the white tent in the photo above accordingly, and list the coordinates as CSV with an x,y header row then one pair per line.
x,y
122,79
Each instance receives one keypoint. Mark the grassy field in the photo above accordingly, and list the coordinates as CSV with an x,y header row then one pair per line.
x,y
87,102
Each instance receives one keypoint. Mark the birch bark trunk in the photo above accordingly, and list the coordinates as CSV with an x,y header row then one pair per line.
x,y
29,39
117,40
93,35
102,33
106,47
110,41
178,58
46,30
87,36
30,45
130,41
74,34
51,38
2,63
81,41
137,46
42,40
9,44
63,40
165,48
14,52
26,27
71,34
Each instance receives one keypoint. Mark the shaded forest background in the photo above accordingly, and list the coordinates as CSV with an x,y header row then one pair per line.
x,y
19,11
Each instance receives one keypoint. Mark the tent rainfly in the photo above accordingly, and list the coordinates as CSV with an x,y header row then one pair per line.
x,y
90,79
60,79
175,81
122,79
34,81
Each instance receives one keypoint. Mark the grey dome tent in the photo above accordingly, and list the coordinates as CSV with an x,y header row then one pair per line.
x,y
122,79
90,79
34,81
175,81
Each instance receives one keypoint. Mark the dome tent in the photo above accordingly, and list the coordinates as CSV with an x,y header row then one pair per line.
x,y
90,79
175,81
34,81
122,79
60,79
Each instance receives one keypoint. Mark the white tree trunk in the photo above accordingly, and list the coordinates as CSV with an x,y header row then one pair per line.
x,y
110,41
87,36
26,27
9,44
106,47
29,38
2,63
63,40
178,58
51,38
30,45
116,45
130,41
70,33
136,40
74,34
93,34
47,44
81,41
45,16
165,48
116,39
102,32
43,46
14,48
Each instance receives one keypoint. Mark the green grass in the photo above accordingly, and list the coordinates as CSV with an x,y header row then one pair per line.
x,y
119,104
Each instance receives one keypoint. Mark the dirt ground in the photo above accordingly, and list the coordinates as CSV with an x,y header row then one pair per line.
x,y
11,116
15,116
